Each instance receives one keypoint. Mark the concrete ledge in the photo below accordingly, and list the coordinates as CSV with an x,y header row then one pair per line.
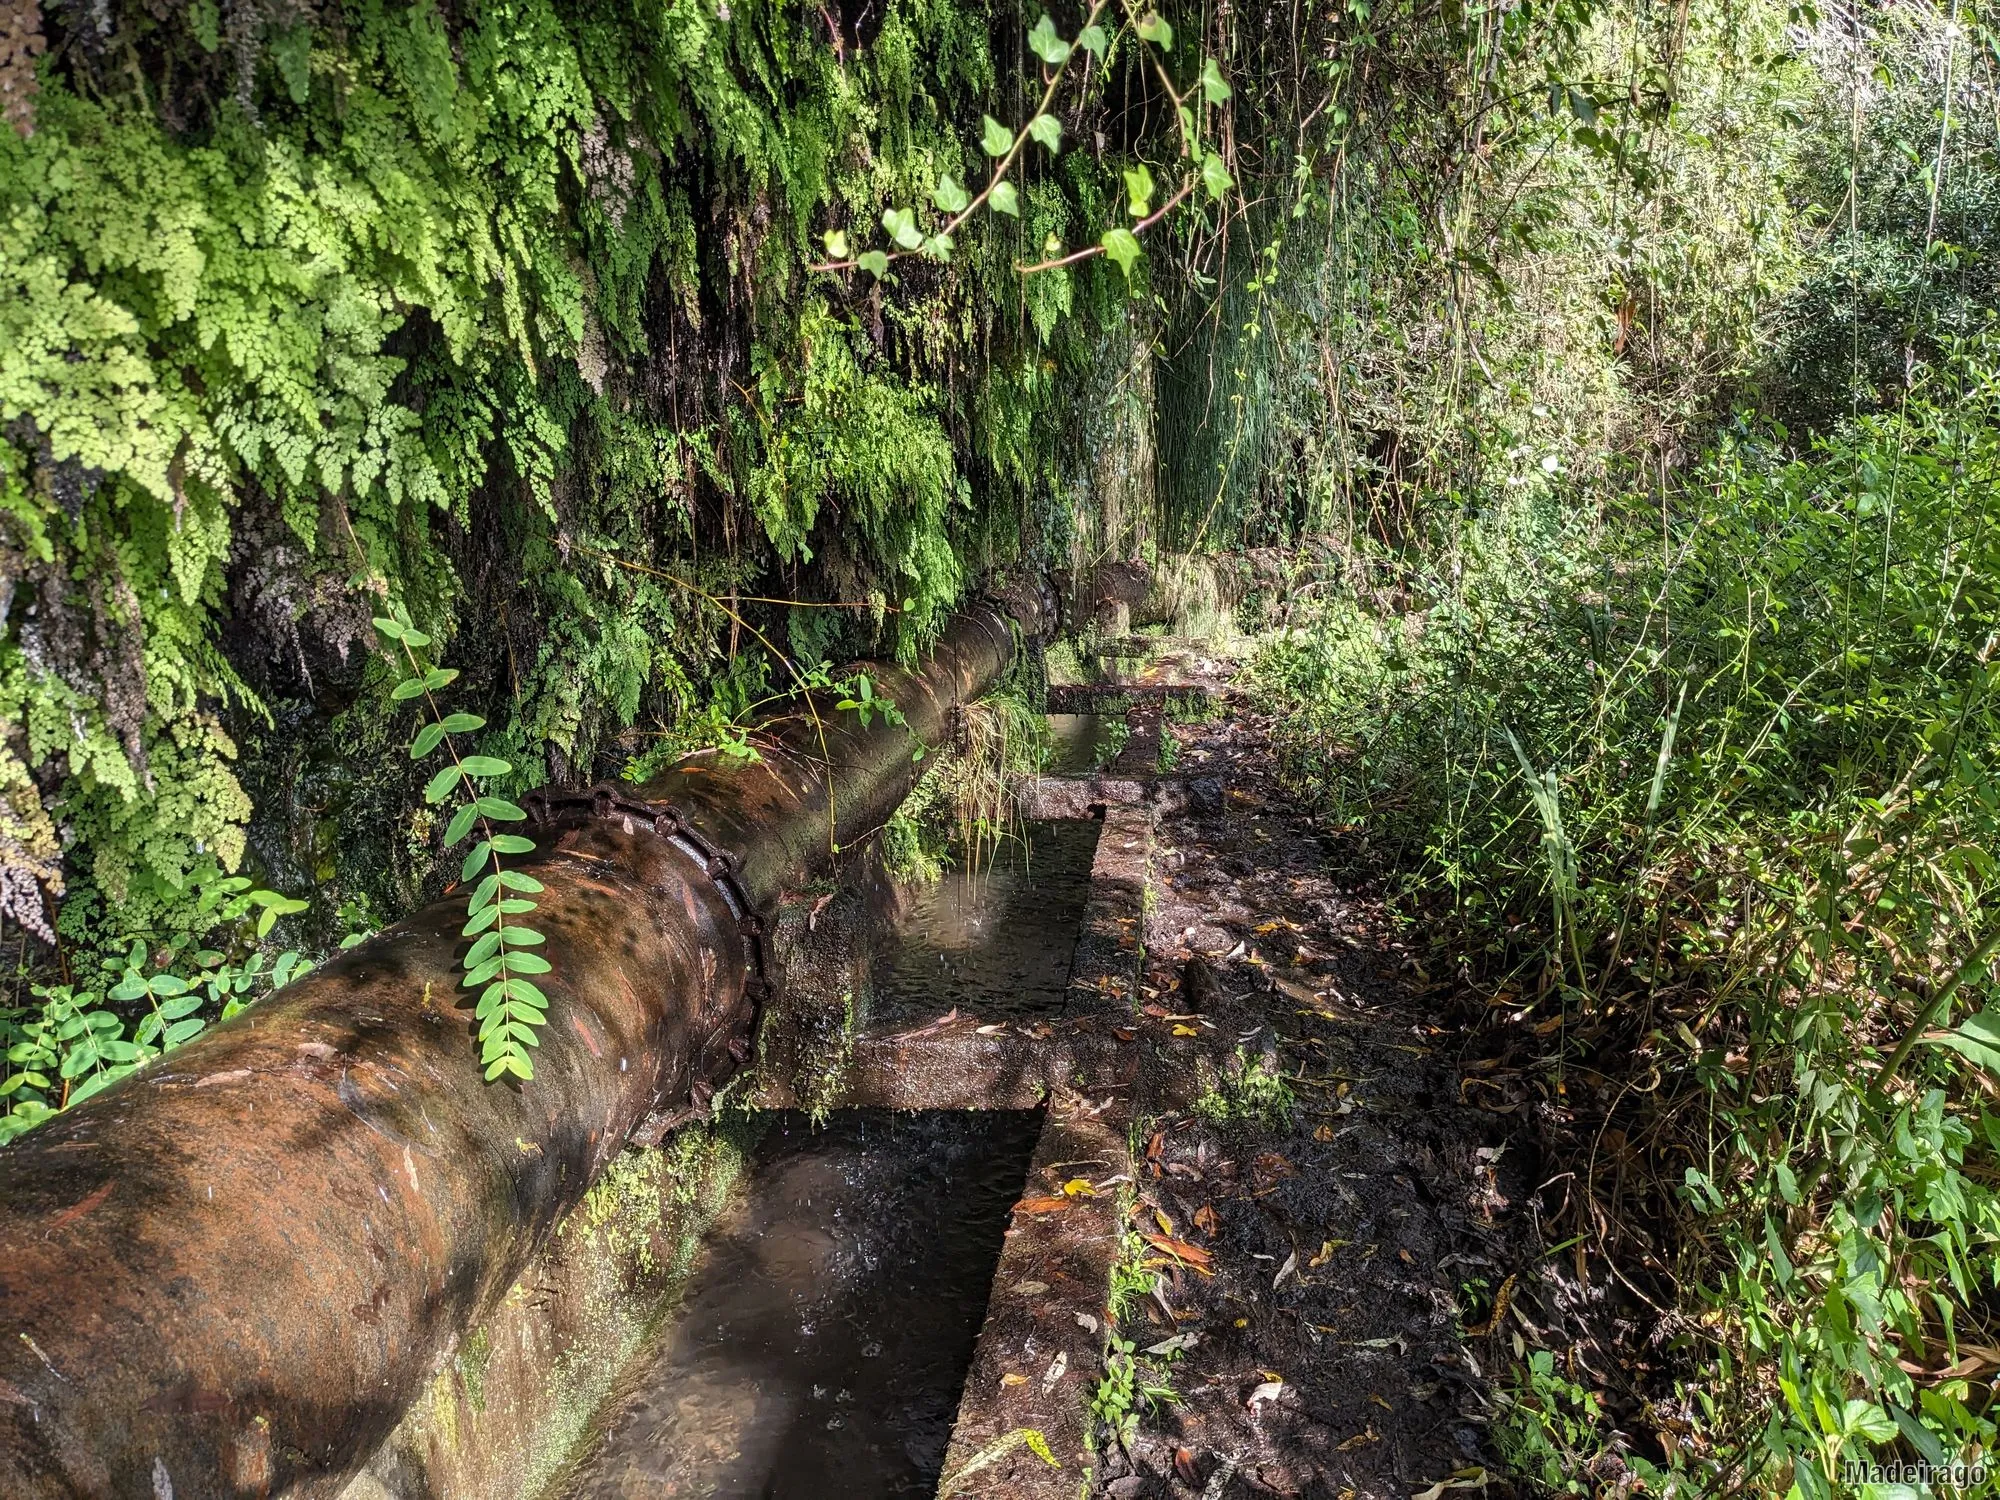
x,y
1041,1349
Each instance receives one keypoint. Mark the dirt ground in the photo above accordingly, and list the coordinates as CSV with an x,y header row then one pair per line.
x,y
1334,1349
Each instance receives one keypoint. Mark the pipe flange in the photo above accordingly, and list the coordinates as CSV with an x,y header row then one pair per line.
x,y
721,867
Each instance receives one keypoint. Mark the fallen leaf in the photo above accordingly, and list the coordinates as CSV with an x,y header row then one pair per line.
x,y
1324,1133
1078,1187
1174,1345
1086,1322
1296,992
1326,1249
1058,1367
1181,1250
1010,1378
1184,1467
1360,1440
1204,1219
1270,1390
1379,1401
1462,1479
1502,1300
1166,1224
1185,1031
1042,1204
1031,1288
1289,1268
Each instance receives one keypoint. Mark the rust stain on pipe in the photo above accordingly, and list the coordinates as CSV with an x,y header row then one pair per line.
x,y
230,1274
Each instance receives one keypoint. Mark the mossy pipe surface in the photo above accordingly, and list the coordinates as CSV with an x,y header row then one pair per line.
x,y
228,1275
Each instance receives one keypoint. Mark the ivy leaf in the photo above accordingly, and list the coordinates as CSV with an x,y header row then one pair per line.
x,y
938,247
949,196
428,739
1214,88
441,784
1002,199
1215,176
835,241
901,226
1093,41
486,765
874,262
1154,28
1046,43
995,139
1139,190
1121,245
1048,130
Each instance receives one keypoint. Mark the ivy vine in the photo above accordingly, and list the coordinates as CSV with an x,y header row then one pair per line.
x,y
1206,169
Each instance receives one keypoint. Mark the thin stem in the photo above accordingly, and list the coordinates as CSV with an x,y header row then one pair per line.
x,y
1000,168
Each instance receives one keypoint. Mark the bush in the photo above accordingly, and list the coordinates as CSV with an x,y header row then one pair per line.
x,y
1722,796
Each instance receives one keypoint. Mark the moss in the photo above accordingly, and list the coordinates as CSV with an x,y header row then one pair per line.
x,y
349,311
471,1364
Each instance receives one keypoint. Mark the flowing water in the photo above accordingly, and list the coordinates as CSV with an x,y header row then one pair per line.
x,y
827,1333
1082,743
994,936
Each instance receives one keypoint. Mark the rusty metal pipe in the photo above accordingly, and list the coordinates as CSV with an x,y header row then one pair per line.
x,y
229,1274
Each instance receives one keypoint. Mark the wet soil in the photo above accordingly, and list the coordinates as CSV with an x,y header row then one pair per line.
x,y
827,1333
1351,1237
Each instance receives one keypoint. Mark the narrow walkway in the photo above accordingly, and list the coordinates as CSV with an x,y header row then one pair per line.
x,y
1320,1355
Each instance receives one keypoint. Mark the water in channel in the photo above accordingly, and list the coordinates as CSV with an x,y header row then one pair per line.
x,y
993,936
827,1333
824,1339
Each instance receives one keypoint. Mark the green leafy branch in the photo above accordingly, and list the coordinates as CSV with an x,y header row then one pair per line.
x,y
511,1008
1005,147
80,1039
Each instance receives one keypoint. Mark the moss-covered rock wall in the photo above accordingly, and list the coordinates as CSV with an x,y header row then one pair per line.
x,y
499,311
